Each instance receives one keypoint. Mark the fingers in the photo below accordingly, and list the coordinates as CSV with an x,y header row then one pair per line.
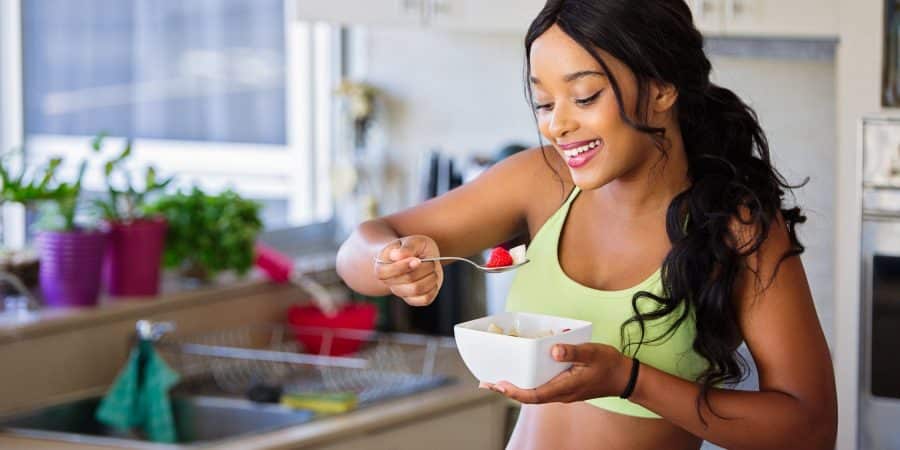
x,y
411,246
560,389
581,354
404,273
387,271
416,288
424,299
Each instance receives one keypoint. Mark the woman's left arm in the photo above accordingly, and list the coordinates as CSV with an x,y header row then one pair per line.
x,y
796,405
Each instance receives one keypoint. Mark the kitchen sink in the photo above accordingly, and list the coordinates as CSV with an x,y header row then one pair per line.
x,y
198,420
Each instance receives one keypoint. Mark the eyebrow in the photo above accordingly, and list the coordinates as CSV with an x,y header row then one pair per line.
x,y
574,76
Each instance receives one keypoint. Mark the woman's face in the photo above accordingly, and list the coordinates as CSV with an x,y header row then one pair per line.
x,y
578,113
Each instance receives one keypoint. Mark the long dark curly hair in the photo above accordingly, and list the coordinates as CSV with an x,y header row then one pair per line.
x,y
731,174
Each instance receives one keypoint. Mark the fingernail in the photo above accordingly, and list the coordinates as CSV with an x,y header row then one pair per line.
x,y
558,352
500,389
414,263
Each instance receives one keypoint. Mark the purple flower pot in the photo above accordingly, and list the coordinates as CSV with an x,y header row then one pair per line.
x,y
132,263
70,267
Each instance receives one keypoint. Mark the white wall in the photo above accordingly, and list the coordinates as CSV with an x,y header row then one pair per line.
x,y
458,92
796,107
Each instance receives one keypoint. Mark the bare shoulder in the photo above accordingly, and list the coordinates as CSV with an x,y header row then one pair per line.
x,y
769,258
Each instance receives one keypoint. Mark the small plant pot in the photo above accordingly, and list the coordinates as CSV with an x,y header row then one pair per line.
x,y
132,263
71,262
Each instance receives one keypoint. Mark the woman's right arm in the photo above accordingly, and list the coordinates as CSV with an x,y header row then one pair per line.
x,y
482,213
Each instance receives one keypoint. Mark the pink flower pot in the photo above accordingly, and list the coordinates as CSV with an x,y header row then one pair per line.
x,y
131,267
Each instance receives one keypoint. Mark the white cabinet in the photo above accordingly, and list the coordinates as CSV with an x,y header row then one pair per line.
x,y
362,12
766,18
463,15
762,18
483,15
707,15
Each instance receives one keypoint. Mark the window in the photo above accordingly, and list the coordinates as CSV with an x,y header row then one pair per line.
x,y
223,93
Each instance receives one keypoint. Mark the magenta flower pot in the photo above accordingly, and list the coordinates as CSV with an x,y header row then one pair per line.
x,y
132,264
70,267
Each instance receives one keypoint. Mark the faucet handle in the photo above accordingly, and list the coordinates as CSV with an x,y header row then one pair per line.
x,y
151,331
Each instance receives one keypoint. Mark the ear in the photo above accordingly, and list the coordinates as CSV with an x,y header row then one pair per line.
x,y
662,96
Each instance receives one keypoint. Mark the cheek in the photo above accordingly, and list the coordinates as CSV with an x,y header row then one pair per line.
x,y
543,122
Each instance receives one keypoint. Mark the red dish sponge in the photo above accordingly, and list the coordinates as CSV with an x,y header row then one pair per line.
x,y
499,258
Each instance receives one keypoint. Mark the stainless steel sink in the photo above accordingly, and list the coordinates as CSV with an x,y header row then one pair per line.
x,y
199,421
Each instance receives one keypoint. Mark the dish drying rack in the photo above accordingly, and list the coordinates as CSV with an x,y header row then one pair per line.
x,y
243,358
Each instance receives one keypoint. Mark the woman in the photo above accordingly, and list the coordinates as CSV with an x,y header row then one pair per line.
x,y
654,212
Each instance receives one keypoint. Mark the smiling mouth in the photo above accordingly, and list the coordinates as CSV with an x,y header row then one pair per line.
x,y
579,150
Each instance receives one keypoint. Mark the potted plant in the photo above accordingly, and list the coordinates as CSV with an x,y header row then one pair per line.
x,y
26,188
208,234
71,254
131,265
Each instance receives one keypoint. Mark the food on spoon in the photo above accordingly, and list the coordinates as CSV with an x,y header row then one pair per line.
x,y
518,254
499,258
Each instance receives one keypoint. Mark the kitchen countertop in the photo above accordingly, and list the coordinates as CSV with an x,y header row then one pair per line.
x,y
460,394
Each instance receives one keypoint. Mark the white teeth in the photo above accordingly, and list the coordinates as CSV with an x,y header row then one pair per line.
x,y
576,151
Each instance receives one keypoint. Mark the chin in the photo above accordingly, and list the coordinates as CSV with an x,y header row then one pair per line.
x,y
587,182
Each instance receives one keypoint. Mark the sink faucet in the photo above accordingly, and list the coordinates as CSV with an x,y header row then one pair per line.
x,y
151,331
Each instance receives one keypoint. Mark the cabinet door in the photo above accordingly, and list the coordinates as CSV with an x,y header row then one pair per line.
x,y
791,18
708,15
362,12
479,15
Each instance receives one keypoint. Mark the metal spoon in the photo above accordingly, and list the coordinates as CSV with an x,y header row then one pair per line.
x,y
486,269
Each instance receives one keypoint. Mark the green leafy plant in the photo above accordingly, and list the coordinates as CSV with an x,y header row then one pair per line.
x,y
33,187
208,233
125,201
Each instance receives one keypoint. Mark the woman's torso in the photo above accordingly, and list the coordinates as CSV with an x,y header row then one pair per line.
x,y
593,256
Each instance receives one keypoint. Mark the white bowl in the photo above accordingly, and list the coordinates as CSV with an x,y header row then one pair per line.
x,y
522,361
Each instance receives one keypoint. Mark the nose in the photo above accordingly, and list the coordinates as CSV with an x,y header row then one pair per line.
x,y
561,122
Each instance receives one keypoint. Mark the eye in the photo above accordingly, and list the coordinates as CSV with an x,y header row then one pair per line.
x,y
588,100
543,106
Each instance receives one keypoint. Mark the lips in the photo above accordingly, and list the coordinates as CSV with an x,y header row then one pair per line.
x,y
574,149
580,156
572,145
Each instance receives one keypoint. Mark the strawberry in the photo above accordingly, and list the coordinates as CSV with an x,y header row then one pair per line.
x,y
499,258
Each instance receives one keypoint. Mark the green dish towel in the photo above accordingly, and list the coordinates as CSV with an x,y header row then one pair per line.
x,y
139,397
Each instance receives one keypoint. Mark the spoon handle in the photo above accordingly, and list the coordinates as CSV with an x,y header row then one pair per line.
x,y
439,258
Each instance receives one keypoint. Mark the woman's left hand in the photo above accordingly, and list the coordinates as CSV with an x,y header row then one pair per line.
x,y
598,370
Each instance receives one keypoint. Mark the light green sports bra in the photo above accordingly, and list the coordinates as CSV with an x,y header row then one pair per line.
x,y
542,287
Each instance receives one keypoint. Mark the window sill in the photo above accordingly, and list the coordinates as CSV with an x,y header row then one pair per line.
x,y
312,247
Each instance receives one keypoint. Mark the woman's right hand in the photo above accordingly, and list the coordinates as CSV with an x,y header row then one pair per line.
x,y
407,277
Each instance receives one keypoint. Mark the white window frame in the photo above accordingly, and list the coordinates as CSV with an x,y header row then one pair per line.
x,y
297,171
11,112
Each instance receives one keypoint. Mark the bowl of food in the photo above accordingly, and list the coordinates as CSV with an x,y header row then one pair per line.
x,y
515,346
